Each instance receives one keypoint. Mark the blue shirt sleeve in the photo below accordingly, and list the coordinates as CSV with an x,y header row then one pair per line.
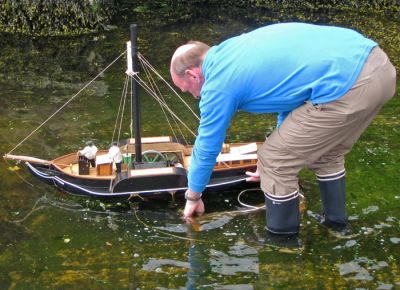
x,y
216,111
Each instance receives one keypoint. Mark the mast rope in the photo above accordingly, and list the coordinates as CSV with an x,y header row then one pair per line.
x,y
140,56
122,101
146,64
66,103
143,85
159,98
155,88
147,89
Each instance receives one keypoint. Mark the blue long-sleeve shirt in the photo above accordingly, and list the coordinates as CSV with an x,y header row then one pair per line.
x,y
273,69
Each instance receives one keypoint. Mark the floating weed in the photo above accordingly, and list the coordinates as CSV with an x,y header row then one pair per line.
x,y
14,168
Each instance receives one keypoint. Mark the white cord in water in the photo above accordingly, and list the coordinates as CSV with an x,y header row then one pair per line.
x,y
248,205
252,207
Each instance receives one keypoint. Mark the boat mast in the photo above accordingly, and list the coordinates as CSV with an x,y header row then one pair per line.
x,y
135,93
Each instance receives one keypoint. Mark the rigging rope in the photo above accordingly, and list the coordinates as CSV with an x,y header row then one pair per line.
x,y
66,103
160,96
145,86
122,113
151,91
140,56
122,101
154,87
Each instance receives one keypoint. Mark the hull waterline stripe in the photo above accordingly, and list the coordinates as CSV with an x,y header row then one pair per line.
x,y
63,183
38,172
143,192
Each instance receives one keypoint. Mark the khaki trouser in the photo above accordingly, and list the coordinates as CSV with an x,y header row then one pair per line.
x,y
318,136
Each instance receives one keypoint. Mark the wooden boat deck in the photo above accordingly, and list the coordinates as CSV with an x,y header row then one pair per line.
x,y
73,169
233,156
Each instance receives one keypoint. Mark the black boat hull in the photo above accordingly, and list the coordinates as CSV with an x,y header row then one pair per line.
x,y
129,187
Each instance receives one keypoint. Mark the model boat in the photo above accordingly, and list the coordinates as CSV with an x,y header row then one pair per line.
x,y
152,166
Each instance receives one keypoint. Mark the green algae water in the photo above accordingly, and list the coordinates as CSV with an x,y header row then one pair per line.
x,y
52,240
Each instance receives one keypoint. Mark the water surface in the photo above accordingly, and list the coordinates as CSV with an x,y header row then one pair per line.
x,y
51,240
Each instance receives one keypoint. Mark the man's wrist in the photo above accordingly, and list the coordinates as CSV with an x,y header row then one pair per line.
x,y
192,196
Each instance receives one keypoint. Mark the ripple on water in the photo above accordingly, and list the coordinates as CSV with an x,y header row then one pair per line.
x,y
215,223
390,219
348,244
354,268
395,240
156,264
353,218
370,209
361,271
382,225
383,286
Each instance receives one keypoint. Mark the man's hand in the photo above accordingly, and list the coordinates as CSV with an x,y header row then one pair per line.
x,y
193,207
253,176
194,203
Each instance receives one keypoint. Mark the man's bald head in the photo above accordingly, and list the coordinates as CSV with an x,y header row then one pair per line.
x,y
188,56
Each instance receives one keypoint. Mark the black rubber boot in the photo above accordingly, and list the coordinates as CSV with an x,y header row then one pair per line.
x,y
282,213
333,196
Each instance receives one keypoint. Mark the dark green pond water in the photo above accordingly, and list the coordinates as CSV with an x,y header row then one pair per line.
x,y
51,240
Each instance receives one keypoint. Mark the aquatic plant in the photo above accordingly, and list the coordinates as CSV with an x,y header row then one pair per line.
x,y
55,17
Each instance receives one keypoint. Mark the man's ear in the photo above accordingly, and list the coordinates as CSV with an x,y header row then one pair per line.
x,y
191,74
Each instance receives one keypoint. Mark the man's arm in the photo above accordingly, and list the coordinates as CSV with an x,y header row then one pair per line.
x,y
217,111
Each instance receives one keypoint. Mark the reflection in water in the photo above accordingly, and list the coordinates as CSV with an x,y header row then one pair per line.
x,y
217,221
202,259
156,264
198,266
206,258
284,243
361,269
239,259
354,268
